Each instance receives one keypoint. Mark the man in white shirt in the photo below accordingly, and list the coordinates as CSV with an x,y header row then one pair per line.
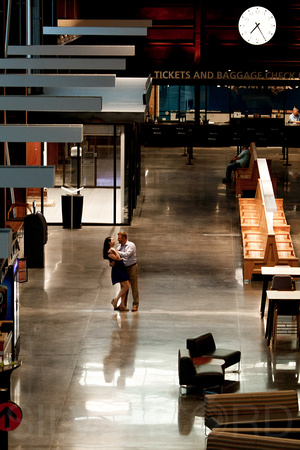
x,y
295,116
127,251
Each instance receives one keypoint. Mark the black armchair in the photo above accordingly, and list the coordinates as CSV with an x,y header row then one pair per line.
x,y
202,376
205,345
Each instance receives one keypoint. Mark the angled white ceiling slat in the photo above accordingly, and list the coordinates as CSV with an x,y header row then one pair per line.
x,y
106,23
72,50
41,133
63,63
95,31
47,103
57,80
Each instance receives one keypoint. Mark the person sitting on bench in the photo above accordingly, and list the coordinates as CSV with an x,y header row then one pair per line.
x,y
241,160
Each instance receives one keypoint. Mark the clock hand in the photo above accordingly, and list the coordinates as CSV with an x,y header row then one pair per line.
x,y
256,26
261,32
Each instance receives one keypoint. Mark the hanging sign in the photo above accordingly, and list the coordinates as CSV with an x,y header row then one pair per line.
x,y
224,75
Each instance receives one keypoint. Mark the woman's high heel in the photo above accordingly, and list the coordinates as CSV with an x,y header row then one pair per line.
x,y
114,302
123,308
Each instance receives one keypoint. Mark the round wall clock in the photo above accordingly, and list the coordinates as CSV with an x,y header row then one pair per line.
x,y
257,25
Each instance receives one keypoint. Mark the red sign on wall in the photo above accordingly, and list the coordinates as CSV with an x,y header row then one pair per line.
x,y
10,416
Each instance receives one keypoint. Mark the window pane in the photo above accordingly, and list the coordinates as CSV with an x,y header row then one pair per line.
x,y
257,100
187,102
218,98
168,102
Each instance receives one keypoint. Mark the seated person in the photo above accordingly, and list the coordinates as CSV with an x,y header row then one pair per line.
x,y
295,116
241,160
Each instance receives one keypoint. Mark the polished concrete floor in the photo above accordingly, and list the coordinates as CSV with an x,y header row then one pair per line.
x,y
93,378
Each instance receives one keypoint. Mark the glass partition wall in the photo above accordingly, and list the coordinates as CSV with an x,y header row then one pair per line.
x,y
217,104
99,166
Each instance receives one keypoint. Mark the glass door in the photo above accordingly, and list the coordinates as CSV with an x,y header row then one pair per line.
x,y
89,162
99,167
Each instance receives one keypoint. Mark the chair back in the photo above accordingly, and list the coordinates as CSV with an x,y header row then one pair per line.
x,y
186,368
282,283
285,283
201,345
18,211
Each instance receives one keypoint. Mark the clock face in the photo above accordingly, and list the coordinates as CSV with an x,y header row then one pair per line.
x,y
257,25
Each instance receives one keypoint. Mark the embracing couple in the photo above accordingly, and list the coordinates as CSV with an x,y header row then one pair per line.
x,y
124,270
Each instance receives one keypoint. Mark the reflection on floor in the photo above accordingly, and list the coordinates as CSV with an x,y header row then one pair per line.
x,y
95,378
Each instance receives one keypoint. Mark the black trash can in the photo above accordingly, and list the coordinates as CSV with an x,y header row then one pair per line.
x,y
69,203
35,237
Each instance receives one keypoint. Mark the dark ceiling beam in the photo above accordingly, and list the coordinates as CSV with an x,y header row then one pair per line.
x,y
197,34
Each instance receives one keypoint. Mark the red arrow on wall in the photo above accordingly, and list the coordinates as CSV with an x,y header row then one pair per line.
x,y
10,416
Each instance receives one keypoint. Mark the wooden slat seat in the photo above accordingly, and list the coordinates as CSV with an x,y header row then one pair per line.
x,y
252,235
249,212
250,221
255,254
286,253
256,245
248,207
284,245
279,215
279,222
283,238
248,203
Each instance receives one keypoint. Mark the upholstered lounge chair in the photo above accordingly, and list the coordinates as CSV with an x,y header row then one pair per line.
x,y
205,345
203,376
275,408
219,440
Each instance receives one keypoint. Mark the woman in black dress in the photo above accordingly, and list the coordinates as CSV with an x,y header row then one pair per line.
x,y
118,273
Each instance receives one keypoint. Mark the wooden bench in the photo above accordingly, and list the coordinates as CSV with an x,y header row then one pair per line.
x,y
219,440
266,237
246,178
252,410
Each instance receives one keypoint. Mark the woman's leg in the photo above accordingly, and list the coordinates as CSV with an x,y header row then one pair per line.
x,y
122,293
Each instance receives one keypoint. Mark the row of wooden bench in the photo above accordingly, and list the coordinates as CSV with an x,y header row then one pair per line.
x,y
266,236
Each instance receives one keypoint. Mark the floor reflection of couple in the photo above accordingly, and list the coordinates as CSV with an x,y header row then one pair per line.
x,y
122,352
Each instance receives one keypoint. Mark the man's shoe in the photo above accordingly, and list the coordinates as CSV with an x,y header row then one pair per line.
x,y
225,181
134,309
